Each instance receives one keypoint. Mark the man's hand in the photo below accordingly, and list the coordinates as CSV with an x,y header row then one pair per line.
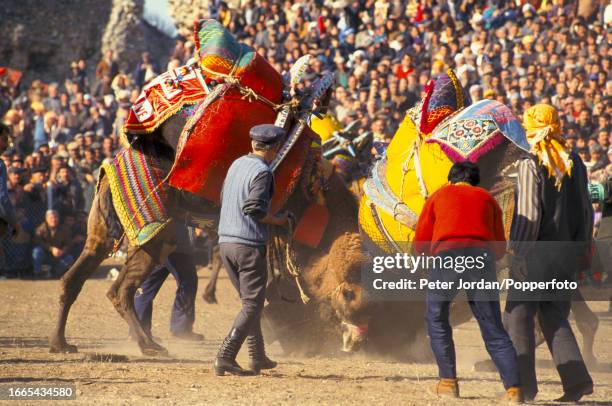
x,y
279,219
56,252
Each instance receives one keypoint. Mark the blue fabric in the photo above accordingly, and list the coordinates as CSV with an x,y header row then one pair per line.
x,y
40,137
234,225
487,313
41,257
504,118
183,269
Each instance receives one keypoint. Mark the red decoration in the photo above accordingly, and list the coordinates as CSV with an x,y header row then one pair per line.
x,y
222,133
312,225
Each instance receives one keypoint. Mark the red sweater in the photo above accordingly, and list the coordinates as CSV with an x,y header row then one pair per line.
x,y
458,216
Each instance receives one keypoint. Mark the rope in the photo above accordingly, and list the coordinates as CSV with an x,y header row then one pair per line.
x,y
248,93
418,170
285,258
405,170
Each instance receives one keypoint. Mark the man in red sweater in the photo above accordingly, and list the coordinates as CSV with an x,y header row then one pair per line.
x,y
461,225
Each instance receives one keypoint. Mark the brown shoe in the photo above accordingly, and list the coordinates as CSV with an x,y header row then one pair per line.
x,y
445,387
514,394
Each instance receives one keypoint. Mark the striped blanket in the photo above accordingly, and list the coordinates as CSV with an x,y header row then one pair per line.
x,y
138,192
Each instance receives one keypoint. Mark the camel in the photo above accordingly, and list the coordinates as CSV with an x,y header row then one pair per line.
x,y
497,170
103,226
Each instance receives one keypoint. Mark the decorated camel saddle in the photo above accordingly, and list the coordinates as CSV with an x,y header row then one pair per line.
x,y
220,95
445,127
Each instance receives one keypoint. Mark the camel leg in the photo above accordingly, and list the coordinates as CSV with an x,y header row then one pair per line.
x,y
97,246
209,295
71,284
137,268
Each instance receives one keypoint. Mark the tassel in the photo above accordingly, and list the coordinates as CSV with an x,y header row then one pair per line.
x,y
196,37
423,126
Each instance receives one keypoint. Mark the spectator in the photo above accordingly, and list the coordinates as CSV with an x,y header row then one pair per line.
x,y
40,136
78,75
35,195
146,70
14,186
8,219
107,67
52,245
66,196
598,158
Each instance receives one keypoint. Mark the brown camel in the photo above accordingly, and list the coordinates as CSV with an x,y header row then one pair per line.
x,y
102,231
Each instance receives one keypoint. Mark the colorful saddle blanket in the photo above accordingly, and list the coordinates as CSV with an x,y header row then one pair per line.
x,y
443,97
164,96
138,192
220,53
477,129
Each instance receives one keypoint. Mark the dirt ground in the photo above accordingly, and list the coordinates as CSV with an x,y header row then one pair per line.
x,y
27,313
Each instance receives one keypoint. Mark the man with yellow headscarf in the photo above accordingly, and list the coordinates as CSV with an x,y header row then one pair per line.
x,y
551,229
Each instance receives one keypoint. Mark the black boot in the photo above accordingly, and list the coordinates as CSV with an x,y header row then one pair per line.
x,y
575,393
257,353
226,358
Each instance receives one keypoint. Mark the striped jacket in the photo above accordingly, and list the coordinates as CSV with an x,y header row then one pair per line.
x,y
545,213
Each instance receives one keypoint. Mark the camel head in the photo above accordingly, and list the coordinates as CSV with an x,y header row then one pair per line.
x,y
352,309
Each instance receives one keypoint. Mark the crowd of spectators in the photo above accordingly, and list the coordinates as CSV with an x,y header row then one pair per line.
x,y
381,52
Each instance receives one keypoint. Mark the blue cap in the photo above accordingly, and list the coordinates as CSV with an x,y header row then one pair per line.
x,y
267,133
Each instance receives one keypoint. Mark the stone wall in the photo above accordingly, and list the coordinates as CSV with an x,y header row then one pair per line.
x,y
41,38
185,12
128,35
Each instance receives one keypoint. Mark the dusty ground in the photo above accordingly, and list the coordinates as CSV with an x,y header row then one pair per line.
x,y
27,311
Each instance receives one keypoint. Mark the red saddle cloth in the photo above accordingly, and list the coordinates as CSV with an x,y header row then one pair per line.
x,y
219,133
163,97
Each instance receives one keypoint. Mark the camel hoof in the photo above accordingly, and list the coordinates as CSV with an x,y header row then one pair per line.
x,y
63,348
209,298
154,351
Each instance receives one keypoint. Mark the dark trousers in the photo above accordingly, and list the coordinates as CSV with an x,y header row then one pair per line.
x,y
519,319
183,269
247,270
487,312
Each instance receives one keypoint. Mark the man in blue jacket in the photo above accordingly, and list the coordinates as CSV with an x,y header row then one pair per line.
x,y
245,213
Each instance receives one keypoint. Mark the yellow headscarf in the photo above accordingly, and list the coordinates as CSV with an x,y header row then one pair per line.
x,y
541,124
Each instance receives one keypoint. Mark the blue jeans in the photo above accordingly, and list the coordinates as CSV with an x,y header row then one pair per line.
x,y
183,269
487,313
40,257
